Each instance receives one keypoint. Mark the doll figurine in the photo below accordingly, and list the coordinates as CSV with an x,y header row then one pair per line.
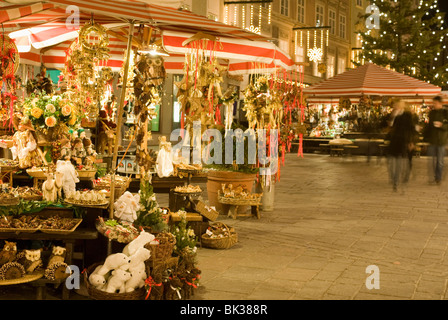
x,y
25,147
78,152
66,150
90,152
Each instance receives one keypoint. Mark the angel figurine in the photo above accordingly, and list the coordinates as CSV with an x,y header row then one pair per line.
x,y
164,164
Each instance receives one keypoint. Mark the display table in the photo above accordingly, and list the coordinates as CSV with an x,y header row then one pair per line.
x,y
67,239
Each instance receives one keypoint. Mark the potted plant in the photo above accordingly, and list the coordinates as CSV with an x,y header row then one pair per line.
x,y
229,173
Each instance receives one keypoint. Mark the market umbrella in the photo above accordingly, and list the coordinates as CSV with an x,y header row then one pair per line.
x,y
370,80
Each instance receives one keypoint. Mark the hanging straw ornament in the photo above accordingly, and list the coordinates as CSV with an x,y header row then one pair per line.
x,y
9,59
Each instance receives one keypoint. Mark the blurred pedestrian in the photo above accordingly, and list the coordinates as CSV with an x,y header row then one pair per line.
x,y
436,134
401,136
415,138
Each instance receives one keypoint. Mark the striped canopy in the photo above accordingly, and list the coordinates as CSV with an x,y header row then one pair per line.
x,y
41,33
370,80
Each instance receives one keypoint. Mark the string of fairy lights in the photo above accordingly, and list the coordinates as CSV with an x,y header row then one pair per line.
x,y
432,8
232,16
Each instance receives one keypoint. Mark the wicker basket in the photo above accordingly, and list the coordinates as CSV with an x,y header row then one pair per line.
x,y
10,202
31,198
119,190
164,249
240,201
86,173
37,173
206,211
229,239
96,294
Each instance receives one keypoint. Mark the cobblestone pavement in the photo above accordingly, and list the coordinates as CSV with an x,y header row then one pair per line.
x,y
334,217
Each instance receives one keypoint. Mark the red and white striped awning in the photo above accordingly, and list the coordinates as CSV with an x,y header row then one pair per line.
x,y
47,29
164,18
14,12
371,80
335,101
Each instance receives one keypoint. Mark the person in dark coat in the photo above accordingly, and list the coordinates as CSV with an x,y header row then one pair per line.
x,y
401,136
436,134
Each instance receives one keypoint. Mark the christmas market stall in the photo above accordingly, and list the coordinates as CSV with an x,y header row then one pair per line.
x,y
64,146
355,104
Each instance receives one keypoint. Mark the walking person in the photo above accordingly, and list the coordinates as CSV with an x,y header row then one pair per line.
x,y
436,134
401,137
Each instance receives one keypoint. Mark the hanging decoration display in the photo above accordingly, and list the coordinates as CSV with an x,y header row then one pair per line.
x,y
263,105
9,57
149,73
85,74
277,102
200,89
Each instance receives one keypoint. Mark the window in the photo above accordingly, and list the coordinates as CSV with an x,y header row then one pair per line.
x,y
301,11
330,66
341,65
284,7
359,3
319,14
332,21
342,26
283,45
300,54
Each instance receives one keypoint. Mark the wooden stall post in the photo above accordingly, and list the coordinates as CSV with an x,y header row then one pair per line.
x,y
119,120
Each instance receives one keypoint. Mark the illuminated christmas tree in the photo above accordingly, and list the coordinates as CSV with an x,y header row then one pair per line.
x,y
411,39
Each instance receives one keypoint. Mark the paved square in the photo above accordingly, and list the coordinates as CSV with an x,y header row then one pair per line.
x,y
334,217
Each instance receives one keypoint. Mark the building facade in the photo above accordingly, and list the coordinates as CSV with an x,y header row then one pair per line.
x,y
285,22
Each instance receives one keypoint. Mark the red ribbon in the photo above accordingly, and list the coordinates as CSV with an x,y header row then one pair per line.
x,y
151,283
189,283
300,152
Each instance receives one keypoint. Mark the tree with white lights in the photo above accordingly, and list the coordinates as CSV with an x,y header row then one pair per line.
x,y
410,38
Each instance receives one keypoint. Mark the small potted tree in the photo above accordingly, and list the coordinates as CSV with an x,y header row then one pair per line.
x,y
230,173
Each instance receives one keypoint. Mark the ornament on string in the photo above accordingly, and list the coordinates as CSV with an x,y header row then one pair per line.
x,y
85,75
9,58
